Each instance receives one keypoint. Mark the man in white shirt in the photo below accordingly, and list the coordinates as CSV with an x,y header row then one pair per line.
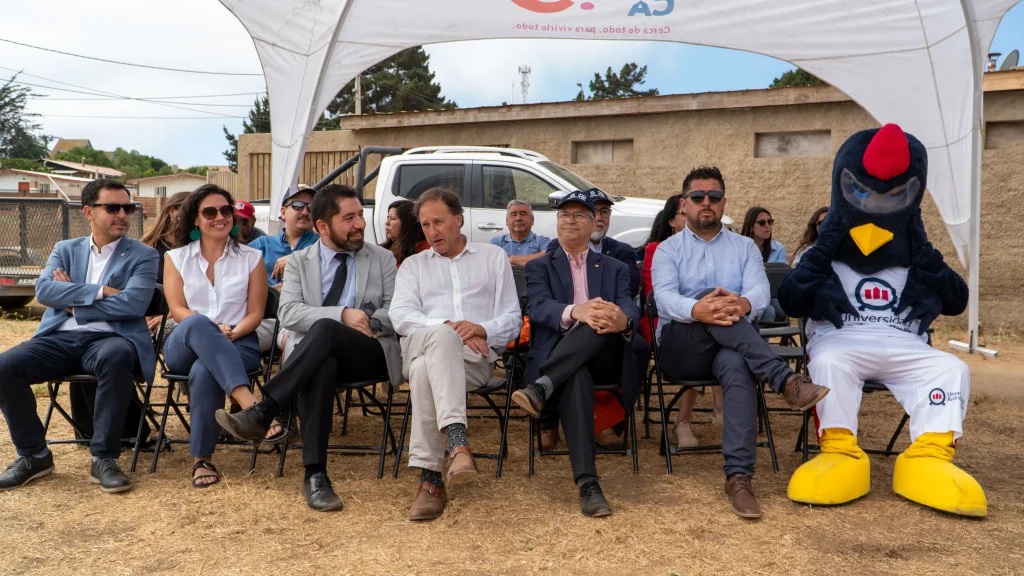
x,y
97,289
453,306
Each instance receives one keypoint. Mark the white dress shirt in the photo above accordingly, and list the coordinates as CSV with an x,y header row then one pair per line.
x,y
329,267
226,301
477,285
98,260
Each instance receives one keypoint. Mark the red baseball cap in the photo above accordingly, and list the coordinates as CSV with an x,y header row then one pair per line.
x,y
244,209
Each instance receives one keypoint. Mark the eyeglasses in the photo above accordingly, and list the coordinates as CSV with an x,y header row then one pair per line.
x,y
299,206
604,212
576,216
210,212
697,196
768,222
129,209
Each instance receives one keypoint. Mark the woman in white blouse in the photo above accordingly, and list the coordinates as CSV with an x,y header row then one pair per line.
x,y
216,290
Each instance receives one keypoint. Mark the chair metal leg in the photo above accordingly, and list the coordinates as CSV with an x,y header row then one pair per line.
x,y
163,426
51,388
896,435
348,408
533,434
664,422
636,451
284,445
503,446
138,432
387,432
807,434
401,438
767,428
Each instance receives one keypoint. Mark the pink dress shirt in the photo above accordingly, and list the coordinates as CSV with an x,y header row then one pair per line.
x,y
580,293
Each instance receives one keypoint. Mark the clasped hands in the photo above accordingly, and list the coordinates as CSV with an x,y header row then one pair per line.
x,y
473,335
603,316
720,307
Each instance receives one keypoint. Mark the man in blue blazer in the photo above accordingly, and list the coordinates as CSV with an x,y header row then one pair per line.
x,y
96,290
582,316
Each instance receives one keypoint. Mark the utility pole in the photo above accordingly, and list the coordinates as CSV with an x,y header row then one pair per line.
x,y
359,94
524,72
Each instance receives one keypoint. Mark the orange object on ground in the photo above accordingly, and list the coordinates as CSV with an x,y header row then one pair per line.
x,y
524,334
608,410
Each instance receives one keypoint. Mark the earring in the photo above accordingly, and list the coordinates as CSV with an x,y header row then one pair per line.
x,y
195,234
235,231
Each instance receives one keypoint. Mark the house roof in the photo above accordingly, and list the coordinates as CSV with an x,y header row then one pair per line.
x,y
167,176
65,144
79,167
45,175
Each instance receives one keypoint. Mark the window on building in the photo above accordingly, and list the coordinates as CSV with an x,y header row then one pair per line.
x,y
160,191
793,144
603,152
43,188
1004,135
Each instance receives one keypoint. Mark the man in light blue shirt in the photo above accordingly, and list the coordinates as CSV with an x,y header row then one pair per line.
x,y
521,244
707,282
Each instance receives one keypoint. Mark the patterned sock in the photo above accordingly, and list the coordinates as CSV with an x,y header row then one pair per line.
x,y
456,436
432,477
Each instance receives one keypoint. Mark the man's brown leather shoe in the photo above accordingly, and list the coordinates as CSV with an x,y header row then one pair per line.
x,y
609,440
740,491
461,465
801,393
548,439
429,503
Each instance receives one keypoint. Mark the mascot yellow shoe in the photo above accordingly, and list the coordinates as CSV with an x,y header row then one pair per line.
x,y
840,474
925,474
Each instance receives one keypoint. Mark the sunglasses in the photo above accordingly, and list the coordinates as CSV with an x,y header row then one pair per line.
x,y
715,196
129,209
300,205
768,222
210,212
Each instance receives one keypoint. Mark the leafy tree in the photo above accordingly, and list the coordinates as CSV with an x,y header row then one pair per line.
x,y
796,77
91,156
402,83
133,163
198,170
23,164
20,135
621,85
257,122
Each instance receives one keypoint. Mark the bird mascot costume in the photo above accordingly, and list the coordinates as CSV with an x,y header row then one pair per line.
x,y
870,287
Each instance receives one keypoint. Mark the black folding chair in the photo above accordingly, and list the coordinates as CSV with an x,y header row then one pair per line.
x,y
181,380
764,423
157,307
780,327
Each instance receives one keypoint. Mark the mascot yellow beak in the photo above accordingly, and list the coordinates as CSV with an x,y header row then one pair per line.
x,y
869,237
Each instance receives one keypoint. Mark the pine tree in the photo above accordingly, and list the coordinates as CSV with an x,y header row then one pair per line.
x,y
258,122
621,85
796,77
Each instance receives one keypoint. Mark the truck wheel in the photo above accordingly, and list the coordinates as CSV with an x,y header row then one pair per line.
x,y
12,302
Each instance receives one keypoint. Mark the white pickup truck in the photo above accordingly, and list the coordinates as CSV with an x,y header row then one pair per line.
x,y
489,178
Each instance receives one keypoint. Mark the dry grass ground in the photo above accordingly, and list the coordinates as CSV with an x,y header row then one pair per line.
x,y
679,524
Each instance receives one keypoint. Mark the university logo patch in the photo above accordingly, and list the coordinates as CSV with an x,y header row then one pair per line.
x,y
937,397
875,294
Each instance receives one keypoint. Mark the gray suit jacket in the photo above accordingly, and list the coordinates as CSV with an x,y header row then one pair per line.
x,y
132,270
302,297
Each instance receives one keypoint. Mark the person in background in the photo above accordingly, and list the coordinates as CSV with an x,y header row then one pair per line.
x,y
216,290
811,233
670,221
757,224
297,234
96,290
161,237
404,236
521,244
245,219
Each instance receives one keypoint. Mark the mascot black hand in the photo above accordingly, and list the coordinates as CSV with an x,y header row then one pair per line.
x,y
814,275
933,288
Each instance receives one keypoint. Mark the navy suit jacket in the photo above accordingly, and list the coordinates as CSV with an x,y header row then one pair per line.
x,y
549,289
132,270
620,251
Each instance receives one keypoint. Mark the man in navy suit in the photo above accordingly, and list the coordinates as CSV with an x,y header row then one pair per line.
x,y
96,289
602,244
583,316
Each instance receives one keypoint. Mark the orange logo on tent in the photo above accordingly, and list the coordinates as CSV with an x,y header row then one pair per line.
x,y
547,7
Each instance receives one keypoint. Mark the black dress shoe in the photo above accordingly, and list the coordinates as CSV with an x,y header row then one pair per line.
x,y
106,473
592,502
247,424
25,469
530,399
320,494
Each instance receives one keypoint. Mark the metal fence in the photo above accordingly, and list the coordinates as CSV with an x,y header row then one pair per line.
x,y
30,227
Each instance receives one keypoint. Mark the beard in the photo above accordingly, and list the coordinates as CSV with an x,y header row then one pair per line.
x,y
598,235
704,222
346,244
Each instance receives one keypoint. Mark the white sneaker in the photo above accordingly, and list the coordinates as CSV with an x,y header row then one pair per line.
x,y
684,436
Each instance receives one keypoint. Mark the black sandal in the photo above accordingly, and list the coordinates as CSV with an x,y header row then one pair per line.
x,y
206,465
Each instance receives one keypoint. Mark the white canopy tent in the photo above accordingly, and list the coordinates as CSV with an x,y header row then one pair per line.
x,y
917,63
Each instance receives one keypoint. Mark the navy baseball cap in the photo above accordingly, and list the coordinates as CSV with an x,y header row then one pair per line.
x,y
579,198
597,195
293,190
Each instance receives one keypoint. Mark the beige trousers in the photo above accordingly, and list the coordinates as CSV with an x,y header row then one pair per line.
x,y
441,370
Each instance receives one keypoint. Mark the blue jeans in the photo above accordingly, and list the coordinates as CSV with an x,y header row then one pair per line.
x,y
215,366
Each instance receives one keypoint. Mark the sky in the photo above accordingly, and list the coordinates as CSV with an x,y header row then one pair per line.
x,y
203,35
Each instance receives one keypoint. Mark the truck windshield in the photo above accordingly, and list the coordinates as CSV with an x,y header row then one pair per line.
x,y
568,175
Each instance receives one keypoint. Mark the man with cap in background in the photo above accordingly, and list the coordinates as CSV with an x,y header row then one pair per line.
x,y
245,219
297,234
583,317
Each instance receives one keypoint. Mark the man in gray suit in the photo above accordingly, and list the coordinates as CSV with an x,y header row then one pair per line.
x,y
335,299
96,289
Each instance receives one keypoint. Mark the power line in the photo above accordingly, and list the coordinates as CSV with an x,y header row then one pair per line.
x,y
157,98
38,99
129,63
140,117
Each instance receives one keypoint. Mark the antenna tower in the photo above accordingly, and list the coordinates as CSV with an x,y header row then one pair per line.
x,y
524,73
